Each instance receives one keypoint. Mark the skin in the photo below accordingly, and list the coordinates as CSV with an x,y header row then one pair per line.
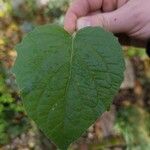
x,y
131,17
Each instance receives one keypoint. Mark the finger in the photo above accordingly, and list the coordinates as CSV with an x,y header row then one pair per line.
x,y
116,21
78,9
108,6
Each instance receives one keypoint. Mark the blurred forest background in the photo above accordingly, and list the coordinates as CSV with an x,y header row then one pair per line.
x,y
126,126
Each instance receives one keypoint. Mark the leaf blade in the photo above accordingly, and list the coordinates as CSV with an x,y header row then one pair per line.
x,y
66,81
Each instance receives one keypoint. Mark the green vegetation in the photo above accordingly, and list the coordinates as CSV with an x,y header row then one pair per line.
x,y
135,130
12,120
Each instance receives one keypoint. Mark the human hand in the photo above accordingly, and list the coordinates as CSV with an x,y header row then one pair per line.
x,y
131,17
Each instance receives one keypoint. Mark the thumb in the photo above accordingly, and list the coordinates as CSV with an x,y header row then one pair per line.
x,y
116,21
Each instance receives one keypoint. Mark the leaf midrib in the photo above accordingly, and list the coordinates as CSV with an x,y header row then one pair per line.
x,y
69,78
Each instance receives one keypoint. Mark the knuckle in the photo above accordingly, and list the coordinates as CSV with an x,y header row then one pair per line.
x,y
103,21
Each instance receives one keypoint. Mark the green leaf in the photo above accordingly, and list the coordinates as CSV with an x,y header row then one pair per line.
x,y
67,83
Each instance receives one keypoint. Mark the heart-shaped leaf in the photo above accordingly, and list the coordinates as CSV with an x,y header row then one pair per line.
x,y
67,82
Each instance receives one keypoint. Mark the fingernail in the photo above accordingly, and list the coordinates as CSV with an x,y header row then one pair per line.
x,y
82,23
